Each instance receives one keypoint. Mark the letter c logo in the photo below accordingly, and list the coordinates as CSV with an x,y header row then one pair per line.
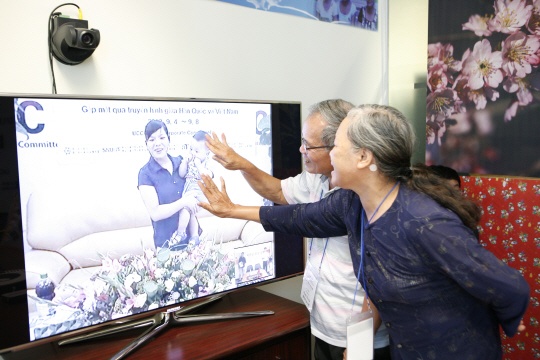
x,y
258,121
21,118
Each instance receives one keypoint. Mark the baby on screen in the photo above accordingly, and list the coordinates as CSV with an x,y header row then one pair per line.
x,y
191,169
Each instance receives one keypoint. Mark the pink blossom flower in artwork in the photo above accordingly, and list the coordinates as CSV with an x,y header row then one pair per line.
x,y
443,55
465,56
518,52
521,87
437,78
481,96
510,16
533,25
433,54
511,111
534,59
435,131
478,24
441,104
509,59
446,55
483,67
461,86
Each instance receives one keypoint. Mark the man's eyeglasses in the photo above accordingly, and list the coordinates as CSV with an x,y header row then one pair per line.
x,y
306,147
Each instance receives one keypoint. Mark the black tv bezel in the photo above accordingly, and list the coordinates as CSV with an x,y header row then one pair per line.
x,y
286,135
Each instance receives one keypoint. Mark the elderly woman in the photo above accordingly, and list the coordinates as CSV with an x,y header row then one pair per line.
x,y
440,294
161,187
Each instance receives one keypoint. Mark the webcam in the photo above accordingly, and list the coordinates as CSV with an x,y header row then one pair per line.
x,y
71,40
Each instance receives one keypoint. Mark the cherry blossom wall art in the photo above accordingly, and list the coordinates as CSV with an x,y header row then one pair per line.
x,y
483,113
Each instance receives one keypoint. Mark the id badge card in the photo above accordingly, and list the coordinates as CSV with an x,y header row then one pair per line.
x,y
360,336
309,285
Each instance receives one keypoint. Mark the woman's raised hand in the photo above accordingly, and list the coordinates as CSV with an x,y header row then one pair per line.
x,y
218,203
224,154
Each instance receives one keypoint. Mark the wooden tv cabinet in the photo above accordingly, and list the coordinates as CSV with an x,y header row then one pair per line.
x,y
284,335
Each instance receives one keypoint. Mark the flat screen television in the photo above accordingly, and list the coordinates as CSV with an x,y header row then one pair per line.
x,y
79,205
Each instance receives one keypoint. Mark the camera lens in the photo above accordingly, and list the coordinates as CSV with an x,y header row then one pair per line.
x,y
87,39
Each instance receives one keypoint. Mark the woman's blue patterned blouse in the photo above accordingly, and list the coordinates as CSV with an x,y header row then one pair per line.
x,y
439,292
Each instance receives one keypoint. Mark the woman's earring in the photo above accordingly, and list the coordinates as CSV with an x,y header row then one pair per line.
x,y
373,167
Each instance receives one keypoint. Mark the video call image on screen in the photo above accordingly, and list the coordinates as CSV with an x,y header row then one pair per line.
x,y
90,184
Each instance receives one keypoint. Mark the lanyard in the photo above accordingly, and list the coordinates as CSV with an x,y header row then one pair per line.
x,y
325,245
361,268
324,251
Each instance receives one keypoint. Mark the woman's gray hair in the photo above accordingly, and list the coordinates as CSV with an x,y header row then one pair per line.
x,y
386,132
390,137
333,112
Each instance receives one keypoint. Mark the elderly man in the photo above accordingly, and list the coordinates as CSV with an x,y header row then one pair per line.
x,y
332,301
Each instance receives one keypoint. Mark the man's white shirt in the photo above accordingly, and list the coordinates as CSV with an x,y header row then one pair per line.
x,y
337,283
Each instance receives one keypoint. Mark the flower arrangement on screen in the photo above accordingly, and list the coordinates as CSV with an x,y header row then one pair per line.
x,y
507,55
136,283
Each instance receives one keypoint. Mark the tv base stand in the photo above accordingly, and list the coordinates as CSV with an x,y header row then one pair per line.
x,y
284,335
159,322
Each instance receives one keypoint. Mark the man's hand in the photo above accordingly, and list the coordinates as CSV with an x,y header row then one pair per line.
x,y
224,154
219,203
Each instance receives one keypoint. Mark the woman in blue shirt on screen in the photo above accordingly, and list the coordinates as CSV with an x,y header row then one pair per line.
x,y
440,294
161,187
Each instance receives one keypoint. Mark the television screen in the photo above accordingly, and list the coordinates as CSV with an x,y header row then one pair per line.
x,y
98,198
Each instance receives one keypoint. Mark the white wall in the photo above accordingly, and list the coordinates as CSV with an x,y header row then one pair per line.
x,y
194,48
